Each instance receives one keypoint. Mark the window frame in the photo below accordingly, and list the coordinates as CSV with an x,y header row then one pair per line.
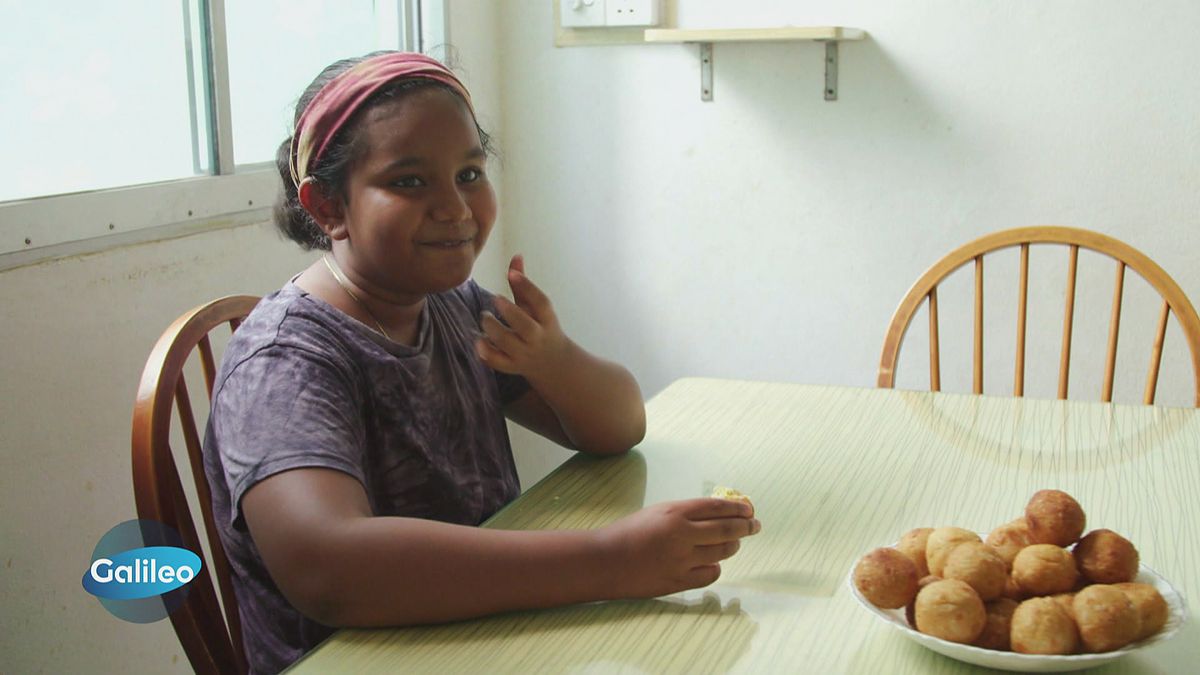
x,y
53,226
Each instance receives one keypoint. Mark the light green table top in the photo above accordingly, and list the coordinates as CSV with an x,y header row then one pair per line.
x,y
833,472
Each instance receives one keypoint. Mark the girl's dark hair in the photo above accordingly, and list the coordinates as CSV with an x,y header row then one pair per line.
x,y
331,171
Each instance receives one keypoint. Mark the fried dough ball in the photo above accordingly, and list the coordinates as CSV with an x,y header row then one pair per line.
x,y
912,544
1040,626
1106,618
996,632
1066,601
1009,539
1013,590
1105,557
951,610
911,608
1150,606
941,541
722,492
887,578
980,566
1045,569
1054,517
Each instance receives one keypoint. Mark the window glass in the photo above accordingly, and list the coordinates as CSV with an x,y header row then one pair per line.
x,y
277,47
433,26
95,97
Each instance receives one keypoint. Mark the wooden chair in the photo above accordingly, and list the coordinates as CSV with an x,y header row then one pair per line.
x,y
1125,256
213,643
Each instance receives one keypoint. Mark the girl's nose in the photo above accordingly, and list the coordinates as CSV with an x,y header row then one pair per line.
x,y
450,206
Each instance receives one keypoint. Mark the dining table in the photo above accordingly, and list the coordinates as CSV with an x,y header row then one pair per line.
x,y
833,472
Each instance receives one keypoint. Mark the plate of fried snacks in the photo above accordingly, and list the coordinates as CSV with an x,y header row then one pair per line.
x,y
1037,594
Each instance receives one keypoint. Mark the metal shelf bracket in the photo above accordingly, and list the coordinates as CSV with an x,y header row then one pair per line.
x,y
831,70
706,71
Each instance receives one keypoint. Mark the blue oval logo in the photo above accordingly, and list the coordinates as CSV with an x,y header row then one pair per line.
x,y
141,572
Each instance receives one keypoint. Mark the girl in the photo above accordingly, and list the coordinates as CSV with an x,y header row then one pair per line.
x,y
357,430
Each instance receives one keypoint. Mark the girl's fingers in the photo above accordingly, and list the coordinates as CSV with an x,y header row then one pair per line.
x,y
723,530
529,296
715,553
518,319
704,508
494,358
498,333
702,575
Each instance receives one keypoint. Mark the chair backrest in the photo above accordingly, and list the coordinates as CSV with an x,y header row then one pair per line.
x,y
213,643
925,289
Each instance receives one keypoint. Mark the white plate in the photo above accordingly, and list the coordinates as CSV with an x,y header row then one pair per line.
x,y
1032,663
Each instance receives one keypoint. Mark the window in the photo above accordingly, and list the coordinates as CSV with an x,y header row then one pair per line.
x,y
276,47
129,115
89,111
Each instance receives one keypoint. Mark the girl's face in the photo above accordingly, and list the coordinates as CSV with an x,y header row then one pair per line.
x,y
418,205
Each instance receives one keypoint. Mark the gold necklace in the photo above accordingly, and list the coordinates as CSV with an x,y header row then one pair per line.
x,y
337,276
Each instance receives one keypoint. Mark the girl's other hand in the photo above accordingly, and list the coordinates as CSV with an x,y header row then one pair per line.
x,y
674,546
533,342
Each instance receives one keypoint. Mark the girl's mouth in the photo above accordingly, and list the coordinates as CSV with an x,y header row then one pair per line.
x,y
447,243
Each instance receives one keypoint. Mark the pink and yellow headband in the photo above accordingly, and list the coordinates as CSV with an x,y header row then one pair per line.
x,y
336,102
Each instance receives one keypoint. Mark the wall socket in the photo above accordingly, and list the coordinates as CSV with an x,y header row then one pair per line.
x,y
600,13
632,12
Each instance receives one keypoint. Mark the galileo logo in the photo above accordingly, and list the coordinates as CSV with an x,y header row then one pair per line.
x,y
140,571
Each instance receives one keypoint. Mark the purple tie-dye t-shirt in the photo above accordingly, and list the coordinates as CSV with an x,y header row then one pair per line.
x,y
304,385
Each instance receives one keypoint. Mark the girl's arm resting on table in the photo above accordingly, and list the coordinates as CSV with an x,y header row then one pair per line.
x,y
597,404
341,566
600,419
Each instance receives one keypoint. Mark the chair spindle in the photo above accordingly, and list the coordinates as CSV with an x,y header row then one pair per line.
x,y
1064,364
207,364
935,358
1022,303
1114,327
978,379
1156,355
187,423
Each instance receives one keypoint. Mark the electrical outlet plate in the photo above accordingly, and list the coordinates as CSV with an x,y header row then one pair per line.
x,y
632,12
595,36
582,13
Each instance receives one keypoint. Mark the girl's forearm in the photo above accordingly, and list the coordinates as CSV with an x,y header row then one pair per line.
x,y
597,402
405,571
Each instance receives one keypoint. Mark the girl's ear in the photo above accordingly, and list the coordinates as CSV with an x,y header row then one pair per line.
x,y
328,210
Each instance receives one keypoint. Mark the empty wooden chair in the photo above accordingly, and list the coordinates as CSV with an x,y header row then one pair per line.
x,y
213,643
925,290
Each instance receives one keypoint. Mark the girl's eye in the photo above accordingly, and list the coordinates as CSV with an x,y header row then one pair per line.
x,y
408,182
470,175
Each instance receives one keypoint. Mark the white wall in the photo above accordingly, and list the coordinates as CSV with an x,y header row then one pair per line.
x,y
770,234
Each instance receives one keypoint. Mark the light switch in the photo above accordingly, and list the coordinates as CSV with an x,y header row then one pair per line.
x,y
581,13
631,12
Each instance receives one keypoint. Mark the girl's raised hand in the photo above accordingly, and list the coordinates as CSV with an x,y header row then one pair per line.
x,y
532,342
674,546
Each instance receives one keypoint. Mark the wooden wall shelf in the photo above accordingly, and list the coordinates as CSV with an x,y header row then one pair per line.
x,y
787,34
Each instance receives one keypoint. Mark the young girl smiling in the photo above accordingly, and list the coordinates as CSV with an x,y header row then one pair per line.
x,y
357,433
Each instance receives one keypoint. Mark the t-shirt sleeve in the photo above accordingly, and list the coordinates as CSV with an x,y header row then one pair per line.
x,y
511,387
286,408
